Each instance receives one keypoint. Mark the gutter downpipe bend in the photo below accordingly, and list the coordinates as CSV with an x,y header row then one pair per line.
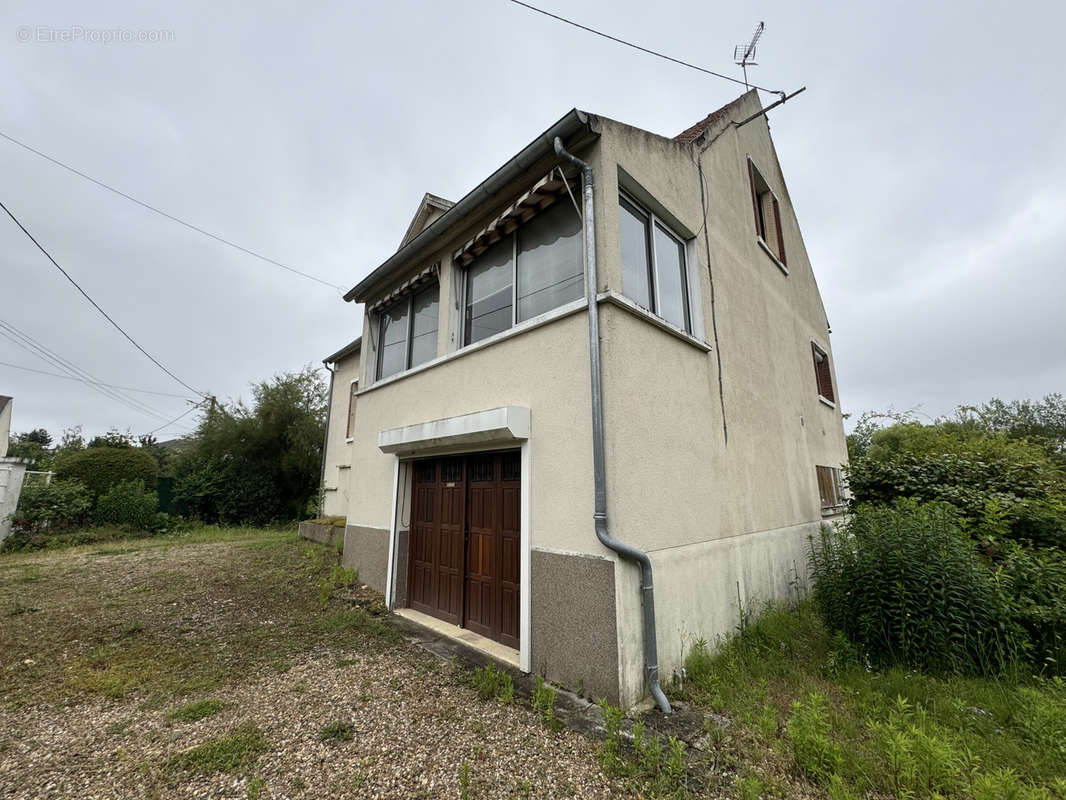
x,y
651,657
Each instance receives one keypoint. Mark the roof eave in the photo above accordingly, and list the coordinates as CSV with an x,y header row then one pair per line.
x,y
572,122
344,352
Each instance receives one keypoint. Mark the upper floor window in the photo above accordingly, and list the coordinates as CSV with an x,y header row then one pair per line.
x,y
767,215
822,374
526,273
407,332
654,268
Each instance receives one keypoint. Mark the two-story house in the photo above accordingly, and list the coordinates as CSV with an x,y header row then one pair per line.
x,y
607,363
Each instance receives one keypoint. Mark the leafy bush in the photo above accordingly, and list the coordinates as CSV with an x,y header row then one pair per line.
x,y
100,468
1033,582
813,748
904,584
128,504
260,464
1029,492
56,506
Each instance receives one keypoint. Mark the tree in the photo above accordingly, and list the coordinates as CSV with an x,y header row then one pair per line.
x,y
39,435
100,468
257,464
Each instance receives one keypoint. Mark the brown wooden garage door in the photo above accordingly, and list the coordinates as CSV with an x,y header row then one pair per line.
x,y
464,546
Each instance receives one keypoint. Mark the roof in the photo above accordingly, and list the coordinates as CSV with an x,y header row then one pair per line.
x,y
573,122
419,244
425,208
694,132
344,352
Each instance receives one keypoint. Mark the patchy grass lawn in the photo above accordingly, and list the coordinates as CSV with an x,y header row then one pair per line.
x,y
798,716
222,663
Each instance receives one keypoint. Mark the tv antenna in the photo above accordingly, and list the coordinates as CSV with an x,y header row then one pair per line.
x,y
744,55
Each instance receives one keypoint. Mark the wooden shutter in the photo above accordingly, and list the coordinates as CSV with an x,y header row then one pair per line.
x,y
780,238
754,198
823,375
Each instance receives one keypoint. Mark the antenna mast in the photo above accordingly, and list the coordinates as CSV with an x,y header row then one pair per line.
x,y
744,55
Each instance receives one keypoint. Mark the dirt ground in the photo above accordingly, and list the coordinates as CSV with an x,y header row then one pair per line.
x,y
102,649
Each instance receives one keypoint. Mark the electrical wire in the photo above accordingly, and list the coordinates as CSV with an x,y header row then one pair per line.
x,y
183,414
72,378
645,49
96,305
34,347
169,216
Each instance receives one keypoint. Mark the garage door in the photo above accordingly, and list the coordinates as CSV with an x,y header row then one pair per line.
x,y
464,546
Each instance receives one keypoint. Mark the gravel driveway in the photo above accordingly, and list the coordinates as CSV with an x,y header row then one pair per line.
x,y
100,650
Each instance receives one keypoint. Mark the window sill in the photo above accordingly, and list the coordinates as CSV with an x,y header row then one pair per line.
x,y
835,511
773,256
344,466
517,330
349,440
623,302
827,401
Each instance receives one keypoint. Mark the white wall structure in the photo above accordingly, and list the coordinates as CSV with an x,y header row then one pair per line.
x,y
12,471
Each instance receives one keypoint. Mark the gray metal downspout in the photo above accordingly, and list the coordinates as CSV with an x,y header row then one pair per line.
x,y
651,657
325,444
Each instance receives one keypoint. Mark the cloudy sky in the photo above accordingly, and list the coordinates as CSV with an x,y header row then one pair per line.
x,y
926,161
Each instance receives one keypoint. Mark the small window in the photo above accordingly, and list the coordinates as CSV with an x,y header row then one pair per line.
x,y
654,268
525,274
350,430
407,332
822,374
830,489
767,214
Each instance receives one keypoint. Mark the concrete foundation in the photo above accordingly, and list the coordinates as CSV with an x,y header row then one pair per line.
x,y
367,550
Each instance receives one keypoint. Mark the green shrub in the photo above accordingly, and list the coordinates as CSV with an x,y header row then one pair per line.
x,y
810,731
56,506
100,468
543,702
1033,583
904,584
493,683
129,505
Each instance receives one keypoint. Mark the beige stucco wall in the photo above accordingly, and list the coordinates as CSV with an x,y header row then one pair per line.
x,y
714,515
717,517
338,484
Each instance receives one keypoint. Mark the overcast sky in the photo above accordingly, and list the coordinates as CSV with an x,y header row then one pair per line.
x,y
926,162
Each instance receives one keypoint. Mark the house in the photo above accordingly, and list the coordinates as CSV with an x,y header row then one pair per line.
x,y
12,470
583,482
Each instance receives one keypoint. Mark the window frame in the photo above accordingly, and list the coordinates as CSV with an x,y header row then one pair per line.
x,y
407,299
779,258
353,390
465,284
652,221
816,351
836,484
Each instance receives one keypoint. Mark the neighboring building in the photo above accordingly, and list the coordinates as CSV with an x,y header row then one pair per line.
x,y
340,429
12,470
471,479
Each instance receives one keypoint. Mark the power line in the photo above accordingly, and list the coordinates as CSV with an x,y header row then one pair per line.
x,y
641,49
185,413
169,216
96,305
34,347
72,378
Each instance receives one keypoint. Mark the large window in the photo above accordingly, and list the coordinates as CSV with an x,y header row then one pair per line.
x,y
526,273
407,332
654,272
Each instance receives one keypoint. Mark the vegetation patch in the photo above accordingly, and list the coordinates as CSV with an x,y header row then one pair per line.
x,y
337,732
241,747
805,713
196,710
